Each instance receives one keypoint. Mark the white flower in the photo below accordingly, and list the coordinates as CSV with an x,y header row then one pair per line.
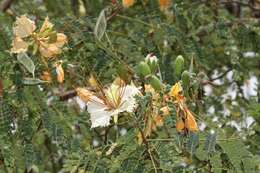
x,y
152,58
250,87
117,99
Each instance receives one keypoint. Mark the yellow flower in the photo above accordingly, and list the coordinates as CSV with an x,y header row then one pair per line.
x,y
19,46
24,27
128,3
59,71
176,90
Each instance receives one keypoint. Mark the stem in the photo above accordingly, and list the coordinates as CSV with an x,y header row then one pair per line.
x,y
146,144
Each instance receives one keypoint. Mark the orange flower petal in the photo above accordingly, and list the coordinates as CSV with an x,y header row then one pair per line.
x,y
128,3
179,125
60,73
190,122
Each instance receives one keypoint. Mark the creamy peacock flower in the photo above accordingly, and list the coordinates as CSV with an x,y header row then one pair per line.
x,y
114,100
47,41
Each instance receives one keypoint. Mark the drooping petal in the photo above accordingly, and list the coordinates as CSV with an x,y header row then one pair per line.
x,y
49,50
99,115
23,27
60,73
190,122
19,46
61,40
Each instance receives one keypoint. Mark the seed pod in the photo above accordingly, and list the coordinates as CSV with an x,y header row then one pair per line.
x,y
155,82
143,69
178,65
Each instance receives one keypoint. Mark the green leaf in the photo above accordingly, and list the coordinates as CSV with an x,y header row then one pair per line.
x,y
101,25
210,142
236,152
26,61
32,81
192,143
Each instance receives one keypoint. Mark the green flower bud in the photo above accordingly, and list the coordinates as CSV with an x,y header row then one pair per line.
x,y
178,65
185,77
152,61
155,82
143,69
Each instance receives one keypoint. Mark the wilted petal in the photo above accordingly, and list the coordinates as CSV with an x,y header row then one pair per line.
x,y
49,50
61,40
19,46
23,27
60,73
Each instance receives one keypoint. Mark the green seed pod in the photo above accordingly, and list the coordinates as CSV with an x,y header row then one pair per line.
x,y
143,69
185,77
155,82
178,65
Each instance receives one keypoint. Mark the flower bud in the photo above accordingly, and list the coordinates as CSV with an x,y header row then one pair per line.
x,y
152,61
155,82
185,77
143,69
178,65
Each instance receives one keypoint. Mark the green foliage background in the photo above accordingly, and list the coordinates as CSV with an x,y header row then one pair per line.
x,y
36,137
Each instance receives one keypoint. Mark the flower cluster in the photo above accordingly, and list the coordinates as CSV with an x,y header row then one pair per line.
x,y
45,41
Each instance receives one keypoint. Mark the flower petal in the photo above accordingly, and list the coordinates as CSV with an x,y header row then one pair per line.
x,y
23,27
61,40
19,46
98,115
